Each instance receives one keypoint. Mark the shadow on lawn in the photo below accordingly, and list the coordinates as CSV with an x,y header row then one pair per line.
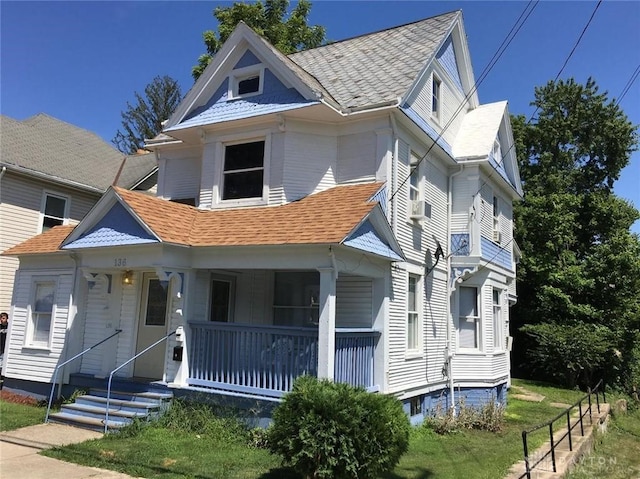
x,y
287,473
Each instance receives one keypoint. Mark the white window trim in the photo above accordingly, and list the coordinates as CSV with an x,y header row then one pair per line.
x,y
43,204
240,74
414,162
417,351
437,114
498,332
496,151
29,343
223,142
478,322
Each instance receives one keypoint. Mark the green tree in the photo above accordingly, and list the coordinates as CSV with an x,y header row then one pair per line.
x,y
144,119
580,268
268,20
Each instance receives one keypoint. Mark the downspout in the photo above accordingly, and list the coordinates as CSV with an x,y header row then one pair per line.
x,y
450,289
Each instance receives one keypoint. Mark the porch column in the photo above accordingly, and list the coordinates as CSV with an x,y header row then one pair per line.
x,y
327,325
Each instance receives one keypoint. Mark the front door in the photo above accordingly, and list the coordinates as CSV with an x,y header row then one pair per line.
x,y
152,326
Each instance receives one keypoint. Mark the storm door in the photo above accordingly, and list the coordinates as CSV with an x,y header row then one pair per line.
x,y
152,326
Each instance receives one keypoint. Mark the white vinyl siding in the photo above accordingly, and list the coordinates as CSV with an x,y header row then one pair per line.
x,y
35,361
356,157
181,178
354,301
309,164
20,205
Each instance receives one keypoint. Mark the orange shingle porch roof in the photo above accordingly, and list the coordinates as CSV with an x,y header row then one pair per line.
x,y
322,218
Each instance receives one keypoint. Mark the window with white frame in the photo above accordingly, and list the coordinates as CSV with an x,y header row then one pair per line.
x,y
468,318
413,312
497,235
246,82
39,330
243,173
54,211
436,96
498,323
416,202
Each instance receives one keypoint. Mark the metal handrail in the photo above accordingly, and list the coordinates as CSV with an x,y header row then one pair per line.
x,y
106,416
55,375
529,467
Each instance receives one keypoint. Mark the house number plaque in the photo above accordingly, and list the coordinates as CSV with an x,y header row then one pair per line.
x,y
120,262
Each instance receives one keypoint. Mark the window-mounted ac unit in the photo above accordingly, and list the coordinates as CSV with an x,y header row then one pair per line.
x,y
497,236
420,210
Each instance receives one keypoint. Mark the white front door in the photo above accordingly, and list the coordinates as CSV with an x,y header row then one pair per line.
x,y
152,326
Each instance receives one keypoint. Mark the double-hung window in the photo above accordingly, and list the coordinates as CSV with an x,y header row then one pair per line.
x,y
243,174
54,211
498,323
468,319
39,329
413,312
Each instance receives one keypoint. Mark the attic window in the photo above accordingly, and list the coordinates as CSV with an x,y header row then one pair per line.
x,y
436,85
246,82
497,152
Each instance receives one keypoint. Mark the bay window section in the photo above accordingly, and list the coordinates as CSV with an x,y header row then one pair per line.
x,y
498,323
468,319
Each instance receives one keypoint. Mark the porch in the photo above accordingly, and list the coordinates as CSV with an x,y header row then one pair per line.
x,y
265,360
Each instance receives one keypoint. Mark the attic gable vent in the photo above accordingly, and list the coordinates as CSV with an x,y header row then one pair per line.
x,y
246,82
249,85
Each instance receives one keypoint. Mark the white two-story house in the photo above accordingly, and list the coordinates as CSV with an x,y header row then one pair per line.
x,y
344,212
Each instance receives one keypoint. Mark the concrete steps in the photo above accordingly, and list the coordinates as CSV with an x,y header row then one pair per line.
x,y
89,411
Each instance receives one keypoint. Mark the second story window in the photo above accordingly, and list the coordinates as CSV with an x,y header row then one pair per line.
x,y
436,100
54,211
243,175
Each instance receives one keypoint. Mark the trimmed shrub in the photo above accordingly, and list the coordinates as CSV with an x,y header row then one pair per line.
x,y
324,429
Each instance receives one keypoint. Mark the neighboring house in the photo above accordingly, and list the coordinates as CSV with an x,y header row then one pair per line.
x,y
52,173
352,220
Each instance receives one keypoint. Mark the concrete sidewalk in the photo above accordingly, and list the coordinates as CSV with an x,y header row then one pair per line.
x,y
19,458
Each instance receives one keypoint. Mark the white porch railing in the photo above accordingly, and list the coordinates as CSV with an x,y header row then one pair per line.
x,y
265,360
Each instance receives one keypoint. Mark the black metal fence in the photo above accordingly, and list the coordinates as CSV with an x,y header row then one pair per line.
x,y
529,464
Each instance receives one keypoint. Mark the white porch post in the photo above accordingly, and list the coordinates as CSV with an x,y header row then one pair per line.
x,y
327,326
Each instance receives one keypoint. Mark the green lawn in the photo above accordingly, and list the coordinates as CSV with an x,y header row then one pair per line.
x,y
221,452
14,416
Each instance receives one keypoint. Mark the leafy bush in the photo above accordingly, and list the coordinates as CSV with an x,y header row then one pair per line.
x,y
331,430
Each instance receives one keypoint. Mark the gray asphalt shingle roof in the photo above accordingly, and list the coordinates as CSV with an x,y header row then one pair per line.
x,y
67,153
379,67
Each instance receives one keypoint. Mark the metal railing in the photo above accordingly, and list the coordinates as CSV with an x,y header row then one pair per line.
x,y
106,416
55,374
529,466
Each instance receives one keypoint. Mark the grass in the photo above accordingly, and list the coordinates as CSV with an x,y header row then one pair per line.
x,y
616,454
192,444
14,416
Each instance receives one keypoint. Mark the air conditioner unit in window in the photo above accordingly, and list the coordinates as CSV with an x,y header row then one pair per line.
x,y
420,210
497,236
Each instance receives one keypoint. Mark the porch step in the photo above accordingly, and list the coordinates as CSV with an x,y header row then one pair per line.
x,y
89,410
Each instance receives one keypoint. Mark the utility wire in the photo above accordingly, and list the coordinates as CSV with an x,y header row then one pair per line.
x,y
629,84
501,49
555,79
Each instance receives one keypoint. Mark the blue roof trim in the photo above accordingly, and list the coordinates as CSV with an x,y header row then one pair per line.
x,y
116,228
499,167
447,59
428,129
247,60
274,99
493,253
381,197
366,238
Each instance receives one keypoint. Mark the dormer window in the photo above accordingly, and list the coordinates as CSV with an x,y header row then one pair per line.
x,y
246,82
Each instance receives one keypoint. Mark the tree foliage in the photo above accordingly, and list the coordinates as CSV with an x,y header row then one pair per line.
x,y
267,19
579,278
143,120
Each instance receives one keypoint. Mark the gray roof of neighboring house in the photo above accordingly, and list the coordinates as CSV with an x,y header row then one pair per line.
x,y
379,67
64,153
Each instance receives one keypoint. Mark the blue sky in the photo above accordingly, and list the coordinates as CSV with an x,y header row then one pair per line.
x,y
82,61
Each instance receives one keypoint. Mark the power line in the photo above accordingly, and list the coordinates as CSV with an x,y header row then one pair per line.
x,y
629,84
501,49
